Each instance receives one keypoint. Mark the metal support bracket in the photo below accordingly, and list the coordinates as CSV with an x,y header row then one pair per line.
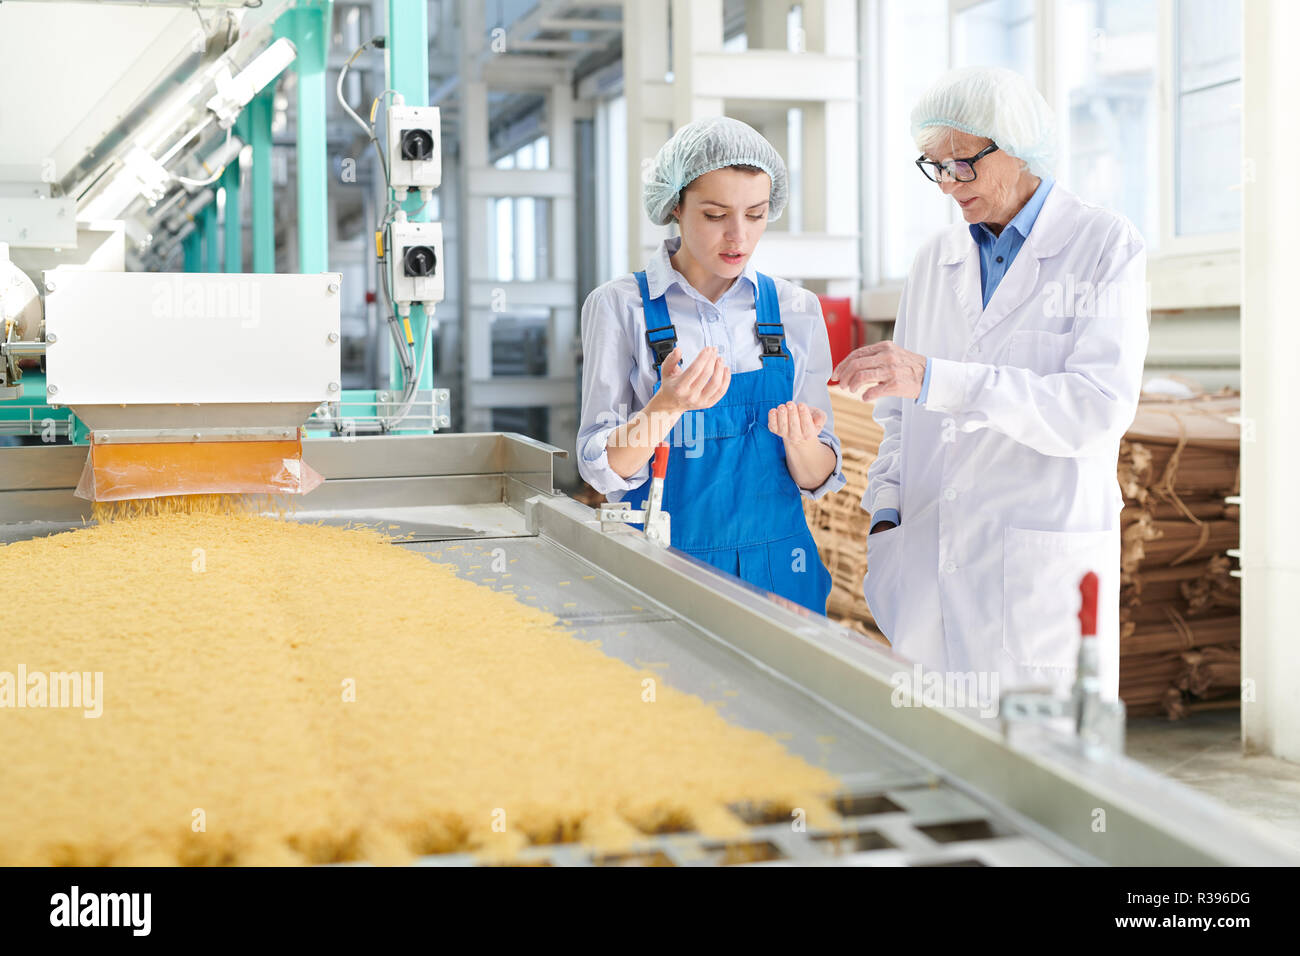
x,y
615,516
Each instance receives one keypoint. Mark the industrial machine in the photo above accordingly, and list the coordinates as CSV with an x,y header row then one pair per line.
x,y
135,383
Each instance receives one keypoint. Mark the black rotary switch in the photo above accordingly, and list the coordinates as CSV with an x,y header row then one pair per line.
x,y
417,145
419,261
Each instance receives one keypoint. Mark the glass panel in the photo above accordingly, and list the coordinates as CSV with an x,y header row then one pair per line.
x,y
611,189
736,44
914,55
524,157
1107,55
1209,43
533,422
505,240
794,169
525,239
1208,117
519,343
1209,160
996,33
542,232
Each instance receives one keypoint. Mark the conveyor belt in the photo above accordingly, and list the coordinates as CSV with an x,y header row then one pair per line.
x,y
897,811
922,786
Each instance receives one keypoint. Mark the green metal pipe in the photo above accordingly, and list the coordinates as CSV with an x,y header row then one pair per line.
x,y
211,238
408,74
307,25
234,236
193,249
259,112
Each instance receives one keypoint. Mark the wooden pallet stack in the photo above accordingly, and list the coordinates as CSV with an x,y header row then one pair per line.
x,y
1180,605
1180,612
838,522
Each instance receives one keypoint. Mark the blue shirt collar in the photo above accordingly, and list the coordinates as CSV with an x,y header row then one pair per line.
x,y
1023,221
660,274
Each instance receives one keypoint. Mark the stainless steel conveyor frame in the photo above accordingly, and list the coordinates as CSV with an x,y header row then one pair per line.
x,y
923,785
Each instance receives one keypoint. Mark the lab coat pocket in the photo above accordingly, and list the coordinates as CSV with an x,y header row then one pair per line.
x,y
884,575
1042,352
1040,596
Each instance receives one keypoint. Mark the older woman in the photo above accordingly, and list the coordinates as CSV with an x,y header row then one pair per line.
x,y
1014,370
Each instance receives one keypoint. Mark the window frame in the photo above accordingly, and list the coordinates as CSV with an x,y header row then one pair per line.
x,y
1167,87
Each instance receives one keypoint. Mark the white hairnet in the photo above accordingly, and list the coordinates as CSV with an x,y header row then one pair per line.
x,y
701,147
996,103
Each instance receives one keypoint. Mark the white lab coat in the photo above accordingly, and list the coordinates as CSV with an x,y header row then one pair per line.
x,y
1005,479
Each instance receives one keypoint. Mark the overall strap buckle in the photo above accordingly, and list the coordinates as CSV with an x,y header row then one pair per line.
x,y
770,331
661,341
772,339
662,338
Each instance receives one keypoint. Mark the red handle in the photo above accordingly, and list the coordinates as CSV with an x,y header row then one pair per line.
x,y
1088,609
660,469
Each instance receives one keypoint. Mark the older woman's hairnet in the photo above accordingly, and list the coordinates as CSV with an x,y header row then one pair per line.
x,y
701,147
995,103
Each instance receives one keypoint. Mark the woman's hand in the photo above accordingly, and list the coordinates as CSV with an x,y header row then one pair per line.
x,y
796,422
809,460
681,390
895,371
697,386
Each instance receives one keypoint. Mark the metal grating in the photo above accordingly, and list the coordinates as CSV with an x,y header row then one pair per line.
x,y
930,825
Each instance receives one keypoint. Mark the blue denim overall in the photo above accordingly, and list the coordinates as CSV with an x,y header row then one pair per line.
x,y
732,500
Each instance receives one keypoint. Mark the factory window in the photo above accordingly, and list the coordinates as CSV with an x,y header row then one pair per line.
x,y
1106,56
520,244
1207,131
770,25
521,224
611,188
908,208
1170,164
519,343
533,421
994,33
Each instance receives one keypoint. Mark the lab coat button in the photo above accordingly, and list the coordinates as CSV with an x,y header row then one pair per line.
x,y
949,494
949,567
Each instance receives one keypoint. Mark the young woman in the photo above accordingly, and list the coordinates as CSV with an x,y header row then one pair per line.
x,y
727,365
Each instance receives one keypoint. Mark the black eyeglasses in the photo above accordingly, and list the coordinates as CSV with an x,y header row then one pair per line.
x,y
957,170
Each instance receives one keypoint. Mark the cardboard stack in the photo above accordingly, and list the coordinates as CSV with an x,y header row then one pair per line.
x,y
838,522
1179,602
1180,605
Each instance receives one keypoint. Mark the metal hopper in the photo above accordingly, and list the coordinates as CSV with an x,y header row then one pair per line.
x,y
192,383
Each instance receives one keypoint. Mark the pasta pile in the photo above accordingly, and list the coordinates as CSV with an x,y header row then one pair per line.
x,y
277,693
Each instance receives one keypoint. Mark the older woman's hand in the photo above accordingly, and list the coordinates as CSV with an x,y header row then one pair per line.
x,y
896,371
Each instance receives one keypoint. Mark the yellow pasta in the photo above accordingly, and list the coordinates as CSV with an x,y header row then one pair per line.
x,y
281,692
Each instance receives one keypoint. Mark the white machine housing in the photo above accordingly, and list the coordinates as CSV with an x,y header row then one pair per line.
x,y
415,131
186,356
406,287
